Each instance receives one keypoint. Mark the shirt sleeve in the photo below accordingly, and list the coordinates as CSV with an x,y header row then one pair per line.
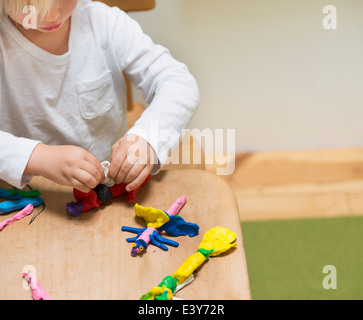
x,y
14,156
168,87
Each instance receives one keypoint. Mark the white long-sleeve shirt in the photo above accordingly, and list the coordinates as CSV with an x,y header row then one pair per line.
x,y
79,98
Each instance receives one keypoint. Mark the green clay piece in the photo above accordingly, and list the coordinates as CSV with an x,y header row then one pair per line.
x,y
205,252
25,194
169,282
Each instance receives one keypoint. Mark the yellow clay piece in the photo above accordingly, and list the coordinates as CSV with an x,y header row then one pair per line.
x,y
156,291
215,241
188,267
154,217
218,239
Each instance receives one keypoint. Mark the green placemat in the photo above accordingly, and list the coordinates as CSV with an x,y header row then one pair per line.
x,y
286,258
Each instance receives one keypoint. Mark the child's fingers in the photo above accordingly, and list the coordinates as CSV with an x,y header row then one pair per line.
x,y
95,172
85,178
117,161
120,169
96,169
134,172
129,156
79,185
123,172
140,179
122,164
114,150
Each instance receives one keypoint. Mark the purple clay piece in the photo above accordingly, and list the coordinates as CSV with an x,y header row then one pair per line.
x,y
74,208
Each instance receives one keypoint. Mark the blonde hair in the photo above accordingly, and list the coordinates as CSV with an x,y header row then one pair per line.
x,y
17,6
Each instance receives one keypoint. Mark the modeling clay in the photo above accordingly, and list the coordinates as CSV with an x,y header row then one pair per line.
x,y
20,215
10,206
37,291
20,199
16,194
158,221
24,193
102,194
215,241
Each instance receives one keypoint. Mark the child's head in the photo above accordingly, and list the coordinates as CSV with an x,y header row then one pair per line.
x,y
43,15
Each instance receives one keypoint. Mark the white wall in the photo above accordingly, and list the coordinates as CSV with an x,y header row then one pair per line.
x,y
268,69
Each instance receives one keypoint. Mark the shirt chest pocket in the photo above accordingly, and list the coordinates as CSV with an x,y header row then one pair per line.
x,y
96,97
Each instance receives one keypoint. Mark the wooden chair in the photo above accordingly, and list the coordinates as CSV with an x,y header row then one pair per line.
x,y
131,5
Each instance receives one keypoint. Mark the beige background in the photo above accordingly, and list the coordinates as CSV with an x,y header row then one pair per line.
x,y
268,69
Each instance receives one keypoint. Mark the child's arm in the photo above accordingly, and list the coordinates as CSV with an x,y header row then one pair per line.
x,y
14,155
66,165
168,87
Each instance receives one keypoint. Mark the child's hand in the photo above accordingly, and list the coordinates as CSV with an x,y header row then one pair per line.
x,y
132,160
66,165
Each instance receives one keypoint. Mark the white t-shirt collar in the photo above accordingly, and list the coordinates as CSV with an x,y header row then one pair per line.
x,y
36,51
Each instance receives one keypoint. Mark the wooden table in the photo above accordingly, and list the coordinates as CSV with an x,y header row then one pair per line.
x,y
88,257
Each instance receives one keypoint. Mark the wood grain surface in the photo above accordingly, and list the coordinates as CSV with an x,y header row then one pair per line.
x,y
88,257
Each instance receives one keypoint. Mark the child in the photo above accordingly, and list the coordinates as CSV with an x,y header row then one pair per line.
x,y
63,98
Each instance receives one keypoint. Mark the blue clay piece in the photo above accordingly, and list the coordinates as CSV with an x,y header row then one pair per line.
x,y
10,206
4,193
177,226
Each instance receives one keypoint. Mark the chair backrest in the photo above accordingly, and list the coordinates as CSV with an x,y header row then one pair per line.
x,y
131,5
